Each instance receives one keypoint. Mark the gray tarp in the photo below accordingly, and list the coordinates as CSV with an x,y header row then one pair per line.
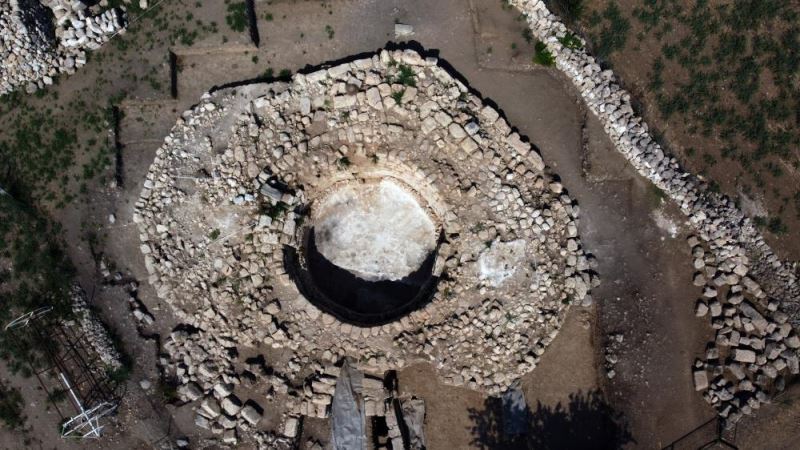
x,y
348,419
515,412
414,417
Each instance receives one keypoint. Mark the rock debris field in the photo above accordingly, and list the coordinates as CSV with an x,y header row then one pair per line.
x,y
41,40
251,172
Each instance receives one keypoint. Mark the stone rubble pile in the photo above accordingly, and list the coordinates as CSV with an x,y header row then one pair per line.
x,y
226,196
40,40
94,331
759,296
204,374
755,347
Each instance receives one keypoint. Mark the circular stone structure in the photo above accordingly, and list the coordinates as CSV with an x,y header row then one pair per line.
x,y
376,210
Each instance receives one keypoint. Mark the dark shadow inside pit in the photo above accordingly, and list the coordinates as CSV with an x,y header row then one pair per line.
x,y
39,21
351,299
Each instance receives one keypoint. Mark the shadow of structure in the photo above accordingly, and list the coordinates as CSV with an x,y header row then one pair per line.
x,y
352,299
586,422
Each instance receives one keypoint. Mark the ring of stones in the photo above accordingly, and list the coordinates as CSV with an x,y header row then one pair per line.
x,y
398,171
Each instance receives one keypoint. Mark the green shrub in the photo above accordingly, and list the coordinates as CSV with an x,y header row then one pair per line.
x,y
275,211
237,16
543,56
405,75
398,95
571,41
776,226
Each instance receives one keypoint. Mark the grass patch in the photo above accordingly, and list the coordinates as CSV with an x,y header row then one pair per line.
x,y
570,41
42,276
543,56
405,75
656,195
11,407
398,95
236,16
276,210
612,29
569,10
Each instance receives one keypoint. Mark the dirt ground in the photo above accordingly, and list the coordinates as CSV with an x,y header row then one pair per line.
x,y
644,262
760,189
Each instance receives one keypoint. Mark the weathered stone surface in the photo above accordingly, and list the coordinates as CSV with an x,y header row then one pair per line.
x,y
744,355
376,231
700,380
251,415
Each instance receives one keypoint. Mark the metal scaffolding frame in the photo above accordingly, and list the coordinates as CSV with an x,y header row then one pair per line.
x,y
714,433
75,366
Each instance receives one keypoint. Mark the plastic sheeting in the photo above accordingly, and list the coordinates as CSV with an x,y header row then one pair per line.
x,y
348,418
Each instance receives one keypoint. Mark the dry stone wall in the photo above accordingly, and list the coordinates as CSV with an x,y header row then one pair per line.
x,y
752,297
41,40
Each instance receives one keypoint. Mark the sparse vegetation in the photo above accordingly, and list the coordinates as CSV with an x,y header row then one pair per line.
x,y
285,74
58,395
236,16
570,41
121,374
398,96
329,31
276,210
41,277
613,28
168,388
527,34
343,162
569,10
776,226
405,75
725,75
543,56
11,407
